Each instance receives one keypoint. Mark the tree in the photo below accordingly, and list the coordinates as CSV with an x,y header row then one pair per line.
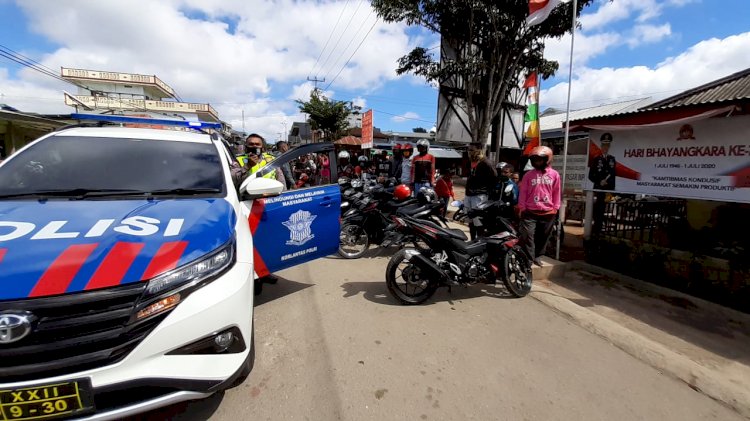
x,y
487,46
327,115
419,130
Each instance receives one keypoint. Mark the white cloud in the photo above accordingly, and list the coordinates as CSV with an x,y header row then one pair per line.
x,y
586,48
706,61
360,102
648,34
189,45
613,11
404,117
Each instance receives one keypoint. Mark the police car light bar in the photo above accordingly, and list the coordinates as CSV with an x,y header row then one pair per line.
x,y
141,120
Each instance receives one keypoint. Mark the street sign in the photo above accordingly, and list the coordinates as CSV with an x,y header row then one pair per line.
x,y
367,130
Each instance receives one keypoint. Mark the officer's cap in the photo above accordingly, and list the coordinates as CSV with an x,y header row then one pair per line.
x,y
606,138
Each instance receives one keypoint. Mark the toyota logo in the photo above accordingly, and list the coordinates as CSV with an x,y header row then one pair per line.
x,y
14,326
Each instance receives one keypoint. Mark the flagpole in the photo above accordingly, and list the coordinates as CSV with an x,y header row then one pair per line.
x,y
567,134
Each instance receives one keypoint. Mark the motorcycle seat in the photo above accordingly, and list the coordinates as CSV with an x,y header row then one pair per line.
x,y
456,233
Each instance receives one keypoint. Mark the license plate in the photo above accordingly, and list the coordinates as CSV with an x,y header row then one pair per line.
x,y
46,402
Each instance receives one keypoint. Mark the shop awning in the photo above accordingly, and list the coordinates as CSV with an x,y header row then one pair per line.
x,y
349,141
445,153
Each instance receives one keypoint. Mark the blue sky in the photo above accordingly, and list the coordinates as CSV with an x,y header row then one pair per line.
x,y
254,56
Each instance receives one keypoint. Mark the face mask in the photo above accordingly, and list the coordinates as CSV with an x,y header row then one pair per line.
x,y
422,151
504,177
251,150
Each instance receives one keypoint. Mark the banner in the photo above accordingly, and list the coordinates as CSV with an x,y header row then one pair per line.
x,y
367,130
708,159
575,174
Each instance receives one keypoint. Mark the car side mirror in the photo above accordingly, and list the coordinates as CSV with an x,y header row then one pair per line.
x,y
257,188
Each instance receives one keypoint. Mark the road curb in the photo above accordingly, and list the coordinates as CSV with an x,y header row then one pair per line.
x,y
698,377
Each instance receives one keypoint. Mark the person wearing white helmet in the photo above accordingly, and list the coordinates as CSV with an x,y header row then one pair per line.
x,y
345,167
423,167
541,191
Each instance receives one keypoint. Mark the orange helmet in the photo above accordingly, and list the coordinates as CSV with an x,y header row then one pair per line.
x,y
402,192
542,151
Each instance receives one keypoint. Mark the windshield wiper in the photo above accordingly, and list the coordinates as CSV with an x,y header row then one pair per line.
x,y
184,191
74,193
89,193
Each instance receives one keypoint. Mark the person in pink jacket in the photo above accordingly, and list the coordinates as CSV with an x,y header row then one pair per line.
x,y
538,203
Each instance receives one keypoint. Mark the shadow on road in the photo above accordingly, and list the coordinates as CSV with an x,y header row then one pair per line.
x,y
184,411
281,289
377,292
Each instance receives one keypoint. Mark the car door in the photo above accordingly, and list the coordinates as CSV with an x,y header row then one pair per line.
x,y
302,223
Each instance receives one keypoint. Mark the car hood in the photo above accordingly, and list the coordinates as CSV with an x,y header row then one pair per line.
x,y
59,247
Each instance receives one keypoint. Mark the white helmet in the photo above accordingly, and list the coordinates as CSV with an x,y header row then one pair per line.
x,y
343,155
500,165
362,159
423,143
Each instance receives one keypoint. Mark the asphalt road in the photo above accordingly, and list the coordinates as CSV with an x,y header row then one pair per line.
x,y
332,344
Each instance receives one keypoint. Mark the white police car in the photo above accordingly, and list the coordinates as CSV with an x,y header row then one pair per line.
x,y
126,268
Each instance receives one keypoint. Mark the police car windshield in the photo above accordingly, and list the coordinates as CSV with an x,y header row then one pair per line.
x,y
60,165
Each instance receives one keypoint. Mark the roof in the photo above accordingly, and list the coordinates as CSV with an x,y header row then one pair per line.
x,y
136,133
349,140
730,88
556,120
31,120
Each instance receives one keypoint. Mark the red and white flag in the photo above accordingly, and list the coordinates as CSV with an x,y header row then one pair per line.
x,y
539,10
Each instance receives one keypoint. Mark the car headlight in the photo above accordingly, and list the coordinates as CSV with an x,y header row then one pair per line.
x,y
194,272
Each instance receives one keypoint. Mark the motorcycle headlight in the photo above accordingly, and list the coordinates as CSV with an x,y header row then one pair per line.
x,y
200,270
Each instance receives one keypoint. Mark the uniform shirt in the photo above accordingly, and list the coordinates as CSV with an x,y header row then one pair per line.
x,y
603,170
423,169
540,191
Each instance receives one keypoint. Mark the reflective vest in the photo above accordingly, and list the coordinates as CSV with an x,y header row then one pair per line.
x,y
267,158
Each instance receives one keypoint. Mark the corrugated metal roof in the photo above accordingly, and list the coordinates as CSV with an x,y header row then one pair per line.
x,y
555,121
731,88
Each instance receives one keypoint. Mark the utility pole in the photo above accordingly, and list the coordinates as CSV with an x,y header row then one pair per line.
x,y
315,81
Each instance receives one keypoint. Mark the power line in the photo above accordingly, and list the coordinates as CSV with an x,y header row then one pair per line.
x,y
351,18
329,39
355,52
404,117
356,34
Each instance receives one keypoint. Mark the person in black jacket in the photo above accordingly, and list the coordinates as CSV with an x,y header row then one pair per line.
x,y
480,182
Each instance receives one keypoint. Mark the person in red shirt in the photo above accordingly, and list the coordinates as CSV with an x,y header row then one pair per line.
x,y
444,189
423,167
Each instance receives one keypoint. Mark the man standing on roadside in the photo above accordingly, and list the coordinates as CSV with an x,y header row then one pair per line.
x,y
480,182
602,174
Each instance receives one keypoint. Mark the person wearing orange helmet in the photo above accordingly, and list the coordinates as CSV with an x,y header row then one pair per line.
x,y
539,202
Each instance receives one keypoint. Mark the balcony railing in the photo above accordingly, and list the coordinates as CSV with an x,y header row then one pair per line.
x,y
140,105
117,77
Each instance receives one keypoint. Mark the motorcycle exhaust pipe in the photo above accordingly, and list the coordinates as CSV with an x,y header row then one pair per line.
x,y
426,263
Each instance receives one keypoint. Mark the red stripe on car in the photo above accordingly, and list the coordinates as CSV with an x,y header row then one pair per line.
x,y
61,272
165,259
256,212
115,265
2,254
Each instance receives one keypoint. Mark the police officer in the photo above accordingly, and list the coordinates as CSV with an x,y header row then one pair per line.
x,y
602,174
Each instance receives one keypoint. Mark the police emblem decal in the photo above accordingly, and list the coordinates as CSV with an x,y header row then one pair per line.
x,y
300,227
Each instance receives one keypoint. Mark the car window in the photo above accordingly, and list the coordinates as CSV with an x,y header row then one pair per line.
x,y
307,170
60,163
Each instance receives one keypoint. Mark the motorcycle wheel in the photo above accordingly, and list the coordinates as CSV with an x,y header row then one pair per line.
x,y
517,274
353,242
404,281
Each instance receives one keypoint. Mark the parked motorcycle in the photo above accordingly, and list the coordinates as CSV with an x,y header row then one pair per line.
x,y
448,258
369,220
